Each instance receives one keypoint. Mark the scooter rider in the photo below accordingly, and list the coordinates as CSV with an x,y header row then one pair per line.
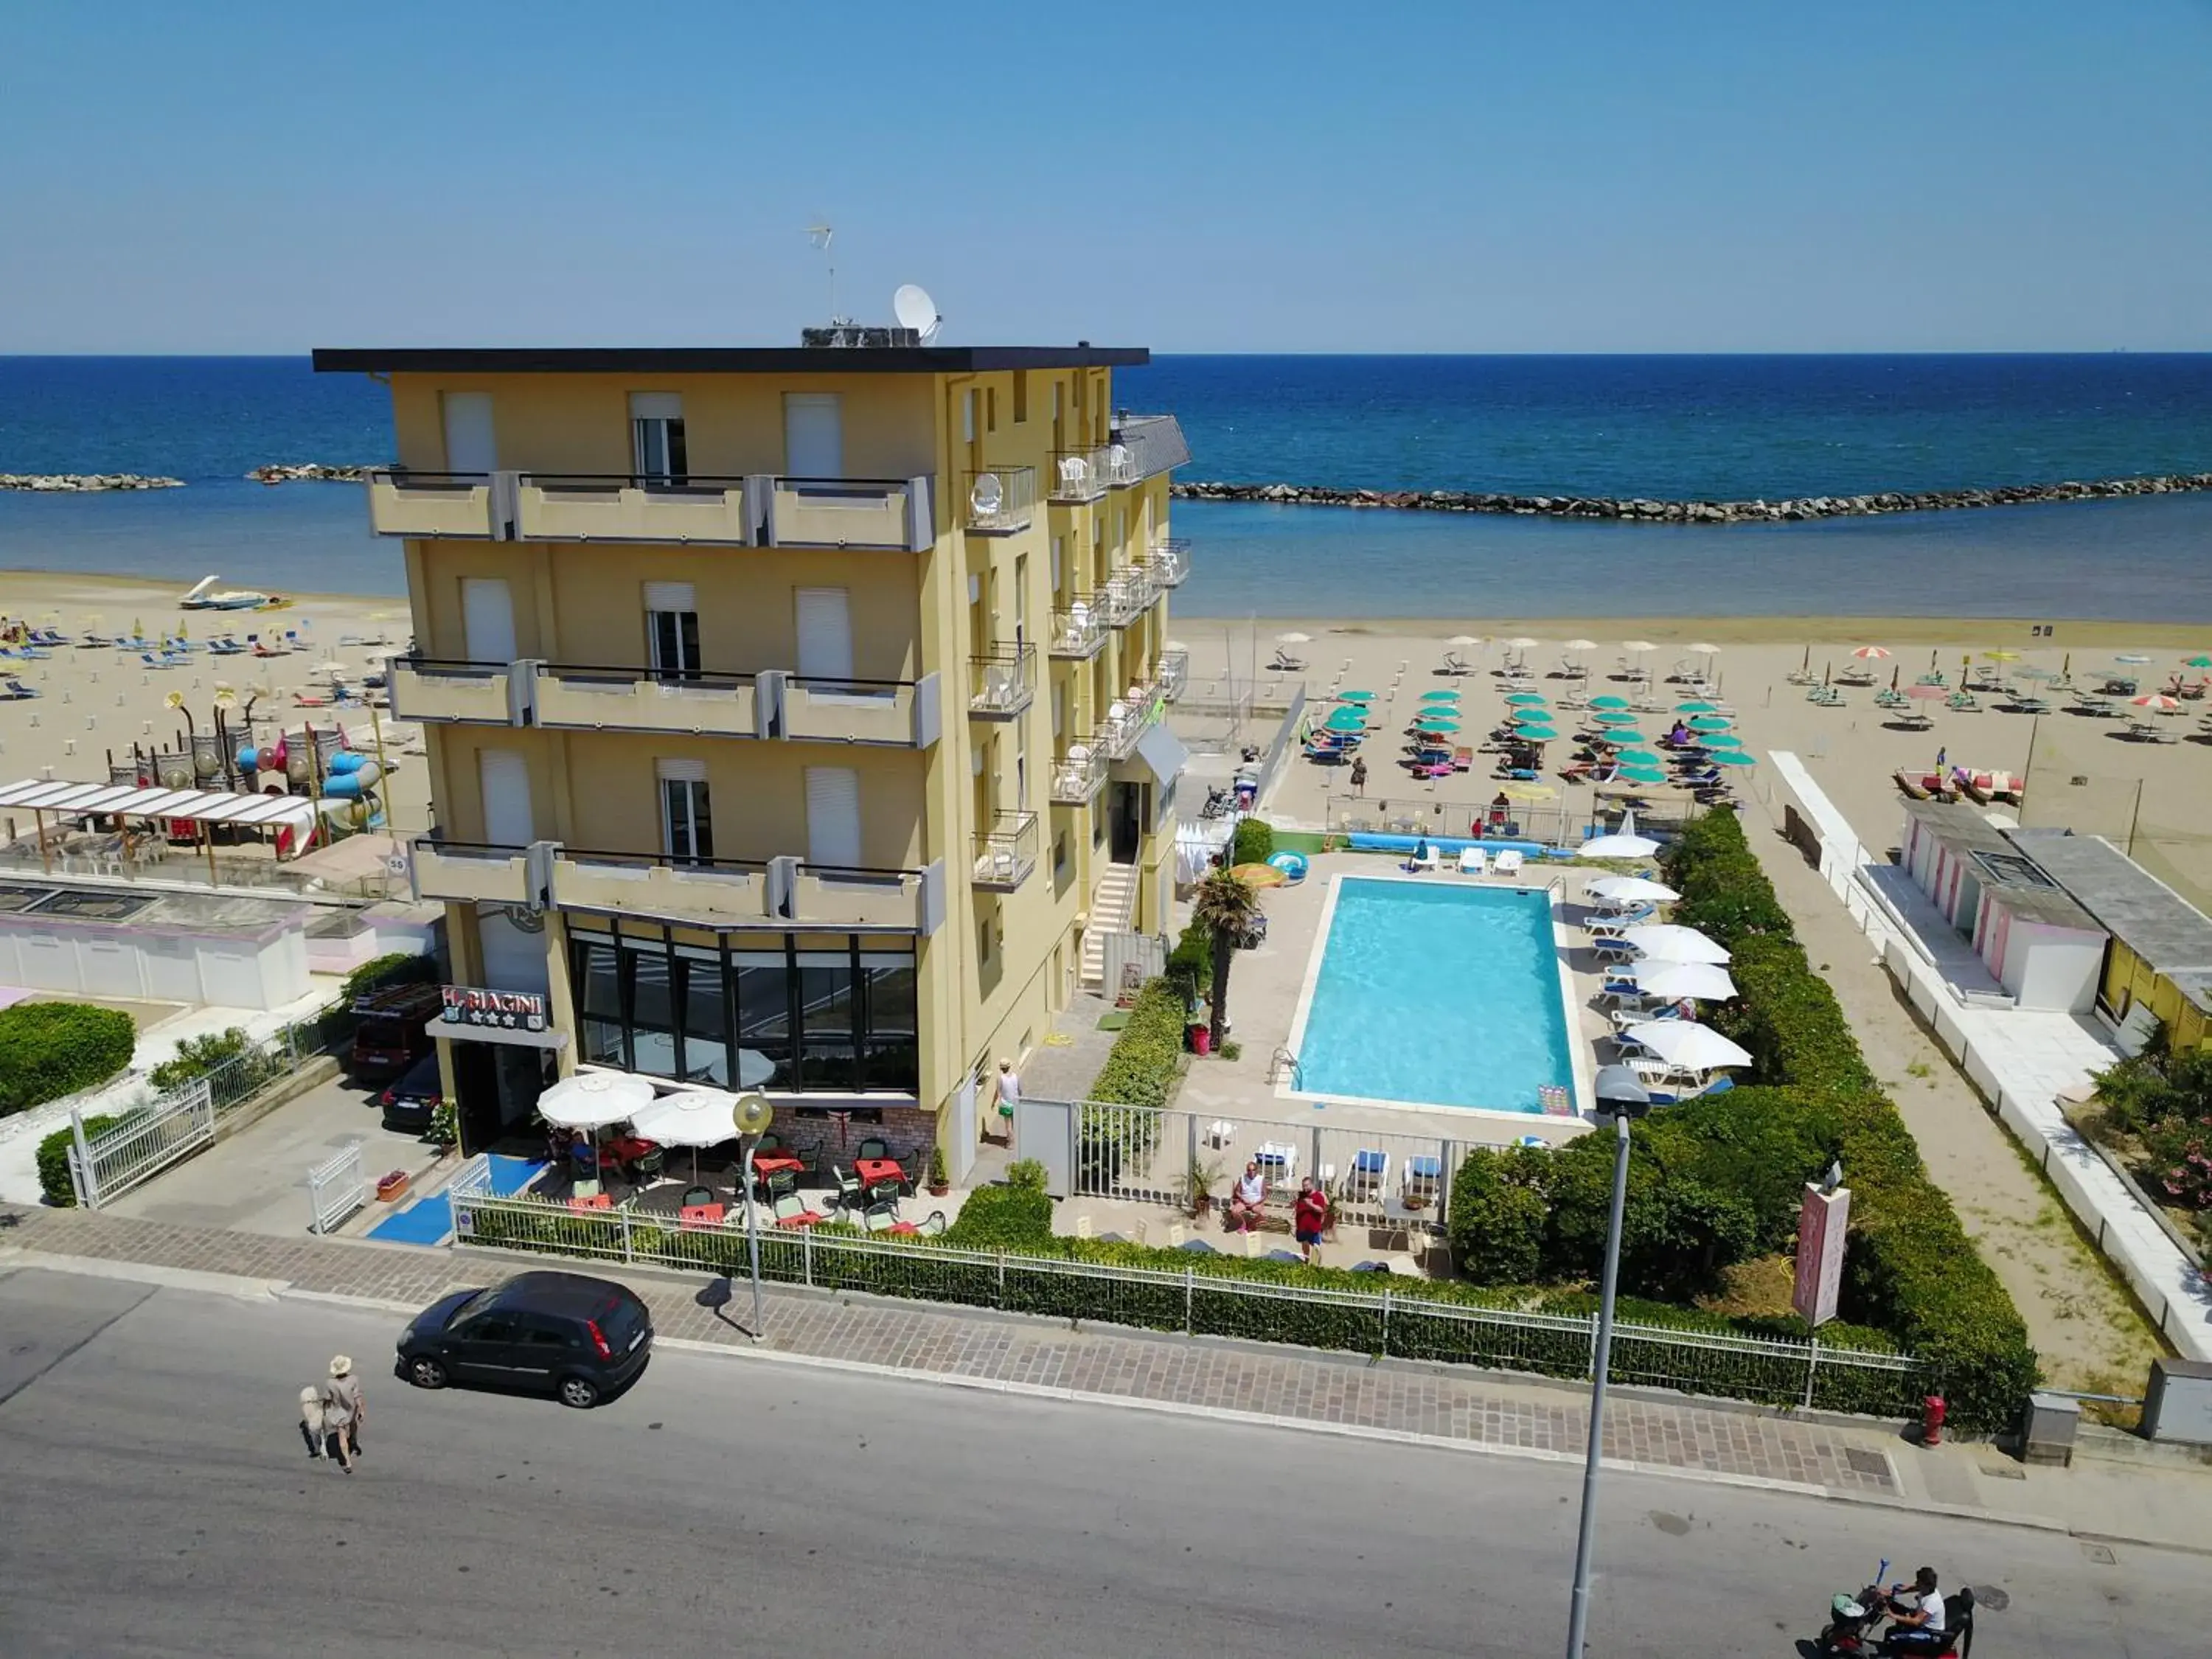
x,y
1919,1628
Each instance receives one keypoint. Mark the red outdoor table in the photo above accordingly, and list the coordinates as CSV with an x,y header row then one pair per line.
x,y
769,1164
874,1170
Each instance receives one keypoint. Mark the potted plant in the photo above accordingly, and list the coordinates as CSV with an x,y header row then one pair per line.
x,y
445,1130
1202,1179
939,1183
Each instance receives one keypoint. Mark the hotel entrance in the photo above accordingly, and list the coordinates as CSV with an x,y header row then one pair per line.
x,y
496,1055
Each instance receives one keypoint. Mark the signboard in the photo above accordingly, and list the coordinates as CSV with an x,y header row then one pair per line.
x,y
502,1011
1821,1228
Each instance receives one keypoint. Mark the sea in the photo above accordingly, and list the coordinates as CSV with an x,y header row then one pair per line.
x,y
1721,427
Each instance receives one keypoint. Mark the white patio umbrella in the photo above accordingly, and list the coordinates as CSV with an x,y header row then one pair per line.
x,y
1701,982
591,1100
1462,639
1522,642
1685,1044
1626,844
1633,889
1638,645
1704,650
1294,638
694,1118
1667,942
1580,645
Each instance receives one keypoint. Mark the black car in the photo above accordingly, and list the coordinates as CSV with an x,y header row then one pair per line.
x,y
564,1334
411,1103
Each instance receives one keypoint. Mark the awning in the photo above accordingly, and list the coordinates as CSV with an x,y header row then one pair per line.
x,y
440,1026
209,805
1158,757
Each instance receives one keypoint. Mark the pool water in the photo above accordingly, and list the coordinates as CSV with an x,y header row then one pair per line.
x,y
1436,996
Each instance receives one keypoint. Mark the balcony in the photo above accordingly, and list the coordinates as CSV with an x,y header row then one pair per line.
x,y
1001,501
1169,562
1127,596
1079,631
1079,475
1006,852
823,898
901,714
643,700
421,504
712,893
619,508
1080,774
1175,673
1128,718
469,693
1002,682
1122,467
469,873
893,515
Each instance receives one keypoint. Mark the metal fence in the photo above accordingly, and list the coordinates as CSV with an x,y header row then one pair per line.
x,y
1204,1300
338,1189
149,1138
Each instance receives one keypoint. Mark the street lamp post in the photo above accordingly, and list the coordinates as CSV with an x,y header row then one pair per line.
x,y
752,1117
1622,1098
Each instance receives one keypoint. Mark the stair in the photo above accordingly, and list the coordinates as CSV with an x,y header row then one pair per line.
x,y
1113,907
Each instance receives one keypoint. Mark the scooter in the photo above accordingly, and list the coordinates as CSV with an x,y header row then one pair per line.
x,y
1855,1621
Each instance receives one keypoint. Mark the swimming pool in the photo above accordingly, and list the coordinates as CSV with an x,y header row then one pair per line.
x,y
1430,993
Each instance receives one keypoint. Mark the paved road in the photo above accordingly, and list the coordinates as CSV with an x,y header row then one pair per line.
x,y
159,1502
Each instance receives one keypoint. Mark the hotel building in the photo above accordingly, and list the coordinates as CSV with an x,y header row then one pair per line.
x,y
794,717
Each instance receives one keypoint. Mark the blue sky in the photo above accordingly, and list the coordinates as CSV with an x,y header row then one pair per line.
x,y
1459,175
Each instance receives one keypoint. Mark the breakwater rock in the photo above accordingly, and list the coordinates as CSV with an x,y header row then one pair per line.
x,y
1642,510
278,473
84,483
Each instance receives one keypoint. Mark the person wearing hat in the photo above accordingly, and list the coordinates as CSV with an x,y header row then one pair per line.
x,y
345,1411
1010,1092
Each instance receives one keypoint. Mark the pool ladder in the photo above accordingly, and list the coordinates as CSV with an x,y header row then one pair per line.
x,y
1283,1066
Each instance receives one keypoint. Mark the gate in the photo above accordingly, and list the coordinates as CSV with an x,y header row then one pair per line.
x,y
962,1160
148,1139
337,1190
1045,1130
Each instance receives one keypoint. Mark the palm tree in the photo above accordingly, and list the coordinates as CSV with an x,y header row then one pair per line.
x,y
1228,907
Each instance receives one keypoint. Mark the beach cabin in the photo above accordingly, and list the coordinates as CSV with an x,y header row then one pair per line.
x,y
2157,963
2044,947
143,944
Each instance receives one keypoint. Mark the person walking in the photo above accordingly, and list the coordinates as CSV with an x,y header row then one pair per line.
x,y
344,1412
314,1407
1309,1218
1010,1095
1359,774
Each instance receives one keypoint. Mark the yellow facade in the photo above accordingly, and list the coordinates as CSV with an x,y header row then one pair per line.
x,y
2131,982
974,866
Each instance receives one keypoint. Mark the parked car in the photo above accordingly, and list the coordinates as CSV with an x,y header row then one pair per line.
x,y
393,1032
568,1334
411,1102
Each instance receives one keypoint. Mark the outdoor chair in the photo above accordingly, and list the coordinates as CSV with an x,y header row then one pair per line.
x,y
790,1210
873,1147
932,1224
696,1196
1371,1174
883,1218
844,1189
886,1192
770,1142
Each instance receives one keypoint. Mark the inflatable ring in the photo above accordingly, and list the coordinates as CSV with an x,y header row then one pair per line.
x,y
1292,865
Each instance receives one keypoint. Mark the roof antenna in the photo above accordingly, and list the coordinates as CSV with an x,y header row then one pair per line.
x,y
822,236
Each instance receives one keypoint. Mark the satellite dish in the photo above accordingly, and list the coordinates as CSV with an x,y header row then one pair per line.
x,y
753,1113
987,496
914,309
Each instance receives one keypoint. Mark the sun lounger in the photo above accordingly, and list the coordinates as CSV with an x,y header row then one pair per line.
x,y
1425,859
1507,862
1455,664
1915,785
1283,663
1472,861
1369,1176
15,690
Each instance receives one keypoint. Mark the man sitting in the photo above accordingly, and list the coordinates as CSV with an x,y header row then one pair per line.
x,y
1917,1629
1248,1199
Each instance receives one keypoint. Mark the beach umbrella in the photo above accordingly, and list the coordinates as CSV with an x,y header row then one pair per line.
x,y
1633,889
2157,700
1695,706
1731,758
1522,642
1462,639
1580,645
2029,671
1293,639
1530,716
591,1100
1355,696
1346,720
2200,660
694,1118
1711,723
1648,775
1528,699
1665,941
1260,875
1439,696
1702,649
2132,658
1714,740
1685,1044
1624,844
1871,653
1925,693
1702,981
1609,700
1536,734
1435,723
1637,757
1612,718
2000,656
1529,792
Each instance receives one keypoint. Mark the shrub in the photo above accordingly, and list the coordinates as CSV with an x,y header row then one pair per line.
x,y
1147,1056
1190,964
1252,842
1500,1216
394,967
53,1160
1026,1172
198,1056
1724,892
1003,1218
49,1049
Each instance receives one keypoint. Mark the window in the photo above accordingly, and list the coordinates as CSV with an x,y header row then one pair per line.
x,y
687,825
968,416
652,1010
990,409
1058,553
656,428
1021,597
824,624
813,434
705,1009
764,1026
983,941
1060,857
672,630
1021,396
890,1044
828,1052
599,981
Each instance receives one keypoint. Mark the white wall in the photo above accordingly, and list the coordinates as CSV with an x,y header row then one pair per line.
x,y
2054,968
226,971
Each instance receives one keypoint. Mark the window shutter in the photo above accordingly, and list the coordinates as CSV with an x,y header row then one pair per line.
x,y
682,771
670,596
833,816
825,633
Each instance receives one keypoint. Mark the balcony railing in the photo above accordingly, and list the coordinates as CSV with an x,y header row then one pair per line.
x,y
1079,773
647,700
574,507
1169,562
1128,593
904,713
1080,629
402,502
1079,475
1006,852
825,898
1129,717
469,873
1001,501
477,693
703,892
1002,682
1175,673
892,514
1122,467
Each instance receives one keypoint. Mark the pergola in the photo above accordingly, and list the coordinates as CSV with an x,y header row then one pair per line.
x,y
202,807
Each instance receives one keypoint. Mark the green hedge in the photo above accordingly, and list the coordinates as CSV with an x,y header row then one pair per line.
x,y
49,1049
1147,1056
53,1160
1253,841
393,968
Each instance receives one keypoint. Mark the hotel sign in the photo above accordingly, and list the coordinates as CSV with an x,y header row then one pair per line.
x,y
1820,1227
496,1011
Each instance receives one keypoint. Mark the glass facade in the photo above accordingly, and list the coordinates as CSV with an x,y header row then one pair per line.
x,y
742,1016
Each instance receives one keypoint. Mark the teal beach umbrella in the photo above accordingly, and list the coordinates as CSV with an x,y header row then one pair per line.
x,y
1439,696
1347,719
1614,718
1355,696
1646,774
1536,734
1637,757
1732,757
1710,723
1608,701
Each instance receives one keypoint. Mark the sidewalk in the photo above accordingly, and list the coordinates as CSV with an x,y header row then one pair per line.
x,y
1287,1387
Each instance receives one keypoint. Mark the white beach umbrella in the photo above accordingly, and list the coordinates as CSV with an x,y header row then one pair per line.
x,y
1293,639
1462,639
1687,1044
1701,982
1638,645
1617,847
1633,889
1522,642
591,1100
1580,645
1668,942
694,1118
1704,650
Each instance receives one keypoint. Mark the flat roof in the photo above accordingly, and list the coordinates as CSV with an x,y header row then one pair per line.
x,y
28,900
718,360
1960,825
2160,926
